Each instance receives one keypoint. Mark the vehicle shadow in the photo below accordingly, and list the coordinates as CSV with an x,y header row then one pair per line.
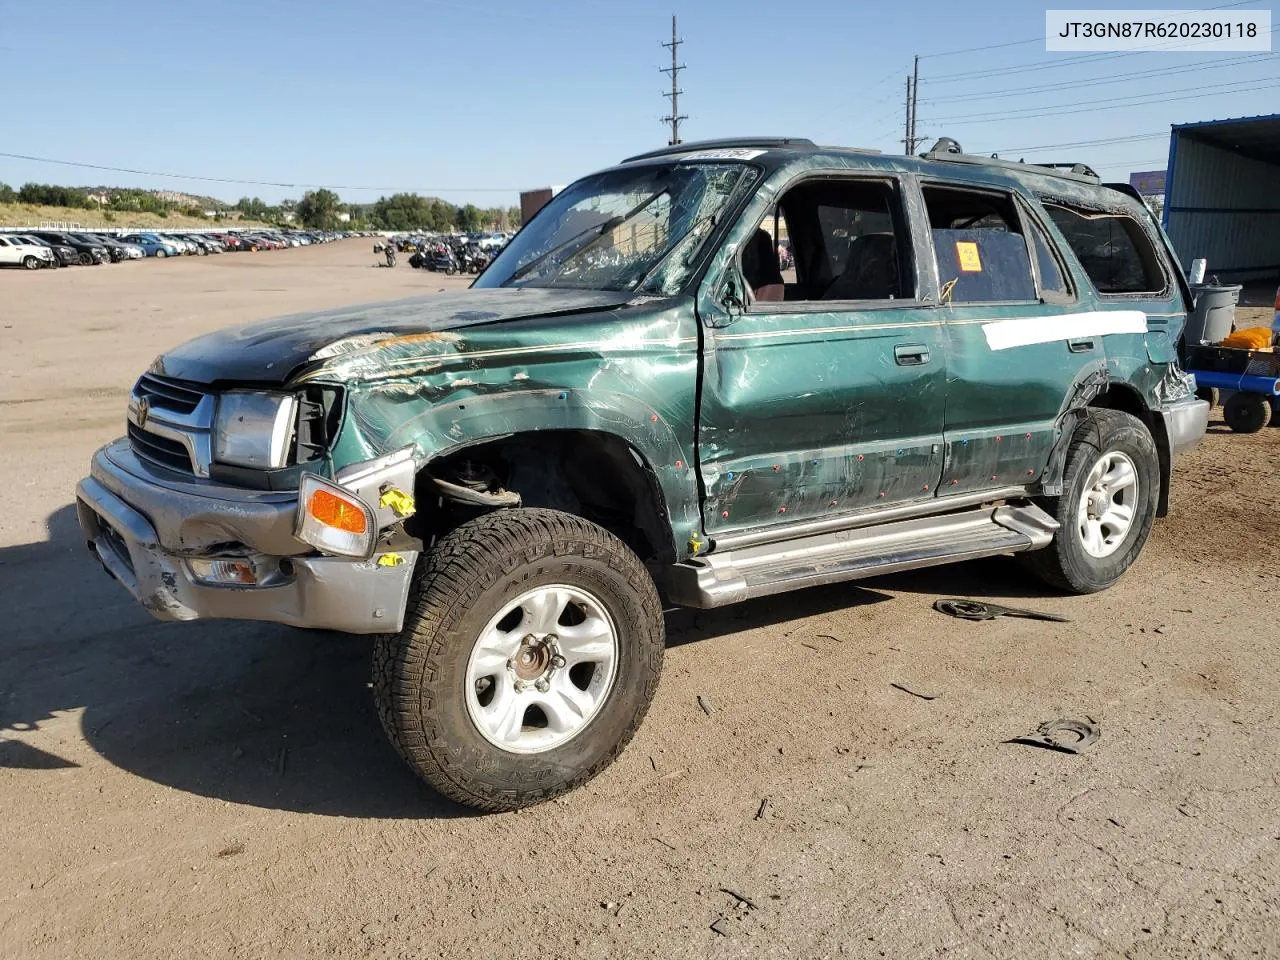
x,y
249,713
265,715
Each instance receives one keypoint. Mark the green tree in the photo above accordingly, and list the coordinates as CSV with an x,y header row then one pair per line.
x,y
319,209
470,219
7,193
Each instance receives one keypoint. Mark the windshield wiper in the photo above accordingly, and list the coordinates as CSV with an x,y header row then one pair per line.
x,y
588,238
599,230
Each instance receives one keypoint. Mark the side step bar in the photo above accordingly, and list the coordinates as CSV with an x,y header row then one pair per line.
x,y
718,579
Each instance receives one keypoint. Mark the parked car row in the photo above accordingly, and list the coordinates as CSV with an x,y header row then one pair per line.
x,y
36,249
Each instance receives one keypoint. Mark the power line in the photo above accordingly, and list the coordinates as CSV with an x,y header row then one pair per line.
x,y
675,116
1056,110
253,183
1104,141
1069,84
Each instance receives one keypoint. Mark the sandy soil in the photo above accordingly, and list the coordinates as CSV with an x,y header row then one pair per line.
x,y
224,790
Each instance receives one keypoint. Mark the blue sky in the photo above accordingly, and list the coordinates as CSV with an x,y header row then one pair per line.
x,y
474,101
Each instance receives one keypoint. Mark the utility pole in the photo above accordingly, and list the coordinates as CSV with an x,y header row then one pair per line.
x,y
675,116
915,94
910,140
906,130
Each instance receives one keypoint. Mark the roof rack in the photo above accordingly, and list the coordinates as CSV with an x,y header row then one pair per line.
x,y
949,150
728,143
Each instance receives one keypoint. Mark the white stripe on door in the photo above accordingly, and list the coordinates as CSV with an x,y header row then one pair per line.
x,y
1024,331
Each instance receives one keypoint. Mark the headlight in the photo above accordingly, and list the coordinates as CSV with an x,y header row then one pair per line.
x,y
254,429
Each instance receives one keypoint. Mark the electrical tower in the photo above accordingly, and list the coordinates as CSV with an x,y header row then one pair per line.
x,y
675,116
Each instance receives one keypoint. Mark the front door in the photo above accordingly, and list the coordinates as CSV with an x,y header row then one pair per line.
x,y
826,398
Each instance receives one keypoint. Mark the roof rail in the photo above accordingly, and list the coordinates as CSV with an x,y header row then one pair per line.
x,y
948,150
727,143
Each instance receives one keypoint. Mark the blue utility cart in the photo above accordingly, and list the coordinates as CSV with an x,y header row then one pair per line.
x,y
1246,382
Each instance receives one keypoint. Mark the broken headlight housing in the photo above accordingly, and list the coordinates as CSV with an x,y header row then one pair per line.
x,y
254,428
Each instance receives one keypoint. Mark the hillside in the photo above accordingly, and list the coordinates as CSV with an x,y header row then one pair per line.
x,y
32,215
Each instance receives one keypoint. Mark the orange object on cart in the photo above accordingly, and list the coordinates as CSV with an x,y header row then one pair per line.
x,y
1253,338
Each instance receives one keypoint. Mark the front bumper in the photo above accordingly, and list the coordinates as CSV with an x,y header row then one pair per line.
x,y
144,525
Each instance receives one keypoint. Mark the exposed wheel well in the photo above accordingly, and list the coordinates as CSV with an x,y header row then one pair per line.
x,y
1128,400
590,474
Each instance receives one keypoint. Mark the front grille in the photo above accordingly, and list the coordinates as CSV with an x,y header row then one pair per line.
x,y
158,449
167,394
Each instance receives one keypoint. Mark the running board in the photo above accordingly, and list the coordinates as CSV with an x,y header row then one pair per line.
x,y
732,576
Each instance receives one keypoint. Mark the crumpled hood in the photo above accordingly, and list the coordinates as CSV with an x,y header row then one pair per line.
x,y
270,352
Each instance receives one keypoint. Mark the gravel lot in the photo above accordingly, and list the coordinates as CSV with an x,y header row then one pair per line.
x,y
218,789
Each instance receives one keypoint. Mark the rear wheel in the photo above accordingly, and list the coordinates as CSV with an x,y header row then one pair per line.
x,y
1246,412
531,650
1108,503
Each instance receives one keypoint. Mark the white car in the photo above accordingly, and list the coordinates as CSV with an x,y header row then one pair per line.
x,y
16,252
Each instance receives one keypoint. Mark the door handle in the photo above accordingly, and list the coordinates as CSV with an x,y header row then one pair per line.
x,y
1079,346
910,354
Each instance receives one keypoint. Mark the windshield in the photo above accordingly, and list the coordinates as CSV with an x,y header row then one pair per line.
x,y
628,229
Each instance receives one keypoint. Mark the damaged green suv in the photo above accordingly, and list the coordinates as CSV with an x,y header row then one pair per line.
x,y
964,357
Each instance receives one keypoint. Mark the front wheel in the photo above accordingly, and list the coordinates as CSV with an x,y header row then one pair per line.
x,y
532,646
161,254
31,263
1108,503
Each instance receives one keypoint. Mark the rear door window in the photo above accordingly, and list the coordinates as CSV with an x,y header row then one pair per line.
x,y
1113,249
981,252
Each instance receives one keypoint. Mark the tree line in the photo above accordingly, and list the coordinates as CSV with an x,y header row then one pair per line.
x,y
317,209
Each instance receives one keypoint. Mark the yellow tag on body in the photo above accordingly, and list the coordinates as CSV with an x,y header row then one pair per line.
x,y
400,502
390,560
967,254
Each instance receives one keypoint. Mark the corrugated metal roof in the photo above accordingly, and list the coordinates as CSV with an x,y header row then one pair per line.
x,y
1257,137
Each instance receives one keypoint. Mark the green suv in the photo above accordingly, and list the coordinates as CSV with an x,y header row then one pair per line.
x,y
634,403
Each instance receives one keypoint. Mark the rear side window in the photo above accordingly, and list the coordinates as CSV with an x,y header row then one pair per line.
x,y
1113,249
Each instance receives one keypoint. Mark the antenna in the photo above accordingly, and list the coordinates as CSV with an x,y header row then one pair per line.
x,y
675,116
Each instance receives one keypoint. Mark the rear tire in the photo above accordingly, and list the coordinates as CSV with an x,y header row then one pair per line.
x,y
1111,486
497,582
1246,412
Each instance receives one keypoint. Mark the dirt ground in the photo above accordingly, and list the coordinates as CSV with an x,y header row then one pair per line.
x,y
224,790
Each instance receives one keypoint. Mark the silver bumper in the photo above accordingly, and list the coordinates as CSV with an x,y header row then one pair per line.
x,y
1185,424
143,527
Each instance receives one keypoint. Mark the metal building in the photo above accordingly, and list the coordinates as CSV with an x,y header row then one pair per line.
x,y
1222,196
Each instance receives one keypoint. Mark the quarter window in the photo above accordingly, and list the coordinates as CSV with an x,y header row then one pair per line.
x,y
1053,281
1113,250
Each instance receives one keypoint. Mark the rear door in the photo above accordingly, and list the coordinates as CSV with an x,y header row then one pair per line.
x,y
1022,339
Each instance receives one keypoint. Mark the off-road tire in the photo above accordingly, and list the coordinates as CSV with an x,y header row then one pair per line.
x,y
1065,564
419,674
1246,412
